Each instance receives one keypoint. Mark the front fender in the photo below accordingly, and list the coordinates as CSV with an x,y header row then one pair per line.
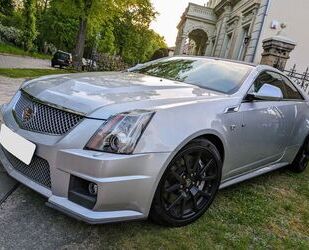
x,y
171,129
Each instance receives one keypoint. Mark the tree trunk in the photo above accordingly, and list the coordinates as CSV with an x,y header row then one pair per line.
x,y
80,44
30,31
45,6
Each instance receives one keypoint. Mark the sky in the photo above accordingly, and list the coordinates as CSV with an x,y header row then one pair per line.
x,y
170,12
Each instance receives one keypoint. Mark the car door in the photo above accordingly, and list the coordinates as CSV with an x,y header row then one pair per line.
x,y
298,111
266,125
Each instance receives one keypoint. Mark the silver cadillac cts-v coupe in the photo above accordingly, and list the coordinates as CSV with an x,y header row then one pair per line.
x,y
156,141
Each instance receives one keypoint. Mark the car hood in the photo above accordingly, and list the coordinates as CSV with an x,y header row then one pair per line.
x,y
98,95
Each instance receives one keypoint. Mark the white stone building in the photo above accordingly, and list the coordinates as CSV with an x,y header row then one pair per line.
x,y
235,29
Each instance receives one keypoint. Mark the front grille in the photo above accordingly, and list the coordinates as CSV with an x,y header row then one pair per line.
x,y
43,118
38,170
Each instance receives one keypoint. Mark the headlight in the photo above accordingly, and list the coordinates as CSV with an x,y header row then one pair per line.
x,y
120,133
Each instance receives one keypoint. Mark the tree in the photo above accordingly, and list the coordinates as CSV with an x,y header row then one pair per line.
x,y
78,53
159,53
57,28
42,6
95,11
115,27
106,40
6,7
135,41
136,44
95,14
30,32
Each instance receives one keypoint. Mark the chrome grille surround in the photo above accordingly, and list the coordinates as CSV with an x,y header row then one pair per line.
x,y
38,170
44,118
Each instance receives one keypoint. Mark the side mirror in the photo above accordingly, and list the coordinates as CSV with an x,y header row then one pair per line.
x,y
268,93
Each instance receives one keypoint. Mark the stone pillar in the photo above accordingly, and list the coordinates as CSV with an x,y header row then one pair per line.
x,y
208,48
180,45
234,38
246,46
277,51
222,30
256,30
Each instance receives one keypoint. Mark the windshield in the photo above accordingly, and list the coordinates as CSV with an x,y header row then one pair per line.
x,y
220,76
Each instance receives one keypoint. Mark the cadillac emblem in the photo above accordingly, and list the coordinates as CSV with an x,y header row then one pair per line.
x,y
27,114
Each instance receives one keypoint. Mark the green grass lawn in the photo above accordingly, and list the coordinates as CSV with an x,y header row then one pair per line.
x,y
9,49
32,73
268,212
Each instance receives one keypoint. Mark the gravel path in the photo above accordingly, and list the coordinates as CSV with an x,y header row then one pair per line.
x,y
11,61
8,87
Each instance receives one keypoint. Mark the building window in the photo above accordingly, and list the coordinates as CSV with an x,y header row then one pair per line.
x,y
244,43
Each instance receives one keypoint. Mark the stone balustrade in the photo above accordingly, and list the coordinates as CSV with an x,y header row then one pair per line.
x,y
202,12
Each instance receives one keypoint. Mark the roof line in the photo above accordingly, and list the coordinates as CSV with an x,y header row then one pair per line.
x,y
220,59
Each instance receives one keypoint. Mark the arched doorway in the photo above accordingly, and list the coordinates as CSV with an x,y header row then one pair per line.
x,y
197,42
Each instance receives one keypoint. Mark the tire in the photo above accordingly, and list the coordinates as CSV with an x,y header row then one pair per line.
x,y
301,160
188,186
53,65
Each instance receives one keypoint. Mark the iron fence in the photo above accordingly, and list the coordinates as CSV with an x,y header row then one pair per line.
x,y
302,79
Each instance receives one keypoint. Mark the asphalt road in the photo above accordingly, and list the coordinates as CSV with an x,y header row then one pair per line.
x,y
11,61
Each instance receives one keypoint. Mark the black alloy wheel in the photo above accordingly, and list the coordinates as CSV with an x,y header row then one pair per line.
x,y
189,185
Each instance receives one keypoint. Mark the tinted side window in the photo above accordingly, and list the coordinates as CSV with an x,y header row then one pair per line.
x,y
291,91
270,78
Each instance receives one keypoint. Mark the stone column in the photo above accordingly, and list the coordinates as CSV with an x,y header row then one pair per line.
x,y
208,48
256,30
222,32
277,51
247,55
234,38
180,45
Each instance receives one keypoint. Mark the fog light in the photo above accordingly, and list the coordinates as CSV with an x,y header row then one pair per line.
x,y
83,192
93,188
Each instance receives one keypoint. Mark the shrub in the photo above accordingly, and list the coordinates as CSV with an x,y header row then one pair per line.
x,y
11,35
15,20
162,52
106,62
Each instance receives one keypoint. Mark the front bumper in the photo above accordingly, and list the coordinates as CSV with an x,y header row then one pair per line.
x,y
122,193
126,183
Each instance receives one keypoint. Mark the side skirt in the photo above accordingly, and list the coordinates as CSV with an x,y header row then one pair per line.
x,y
252,174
